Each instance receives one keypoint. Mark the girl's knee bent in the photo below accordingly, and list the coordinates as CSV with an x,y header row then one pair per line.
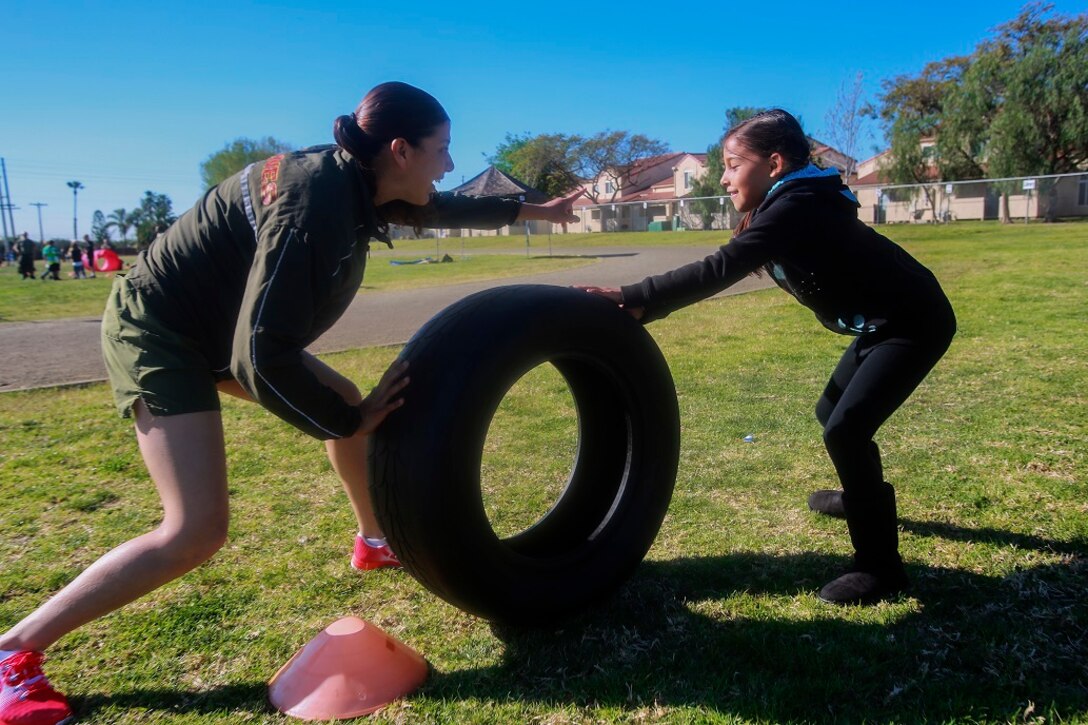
x,y
841,438
824,409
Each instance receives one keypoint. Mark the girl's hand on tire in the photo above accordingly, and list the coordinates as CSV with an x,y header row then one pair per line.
x,y
383,398
612,294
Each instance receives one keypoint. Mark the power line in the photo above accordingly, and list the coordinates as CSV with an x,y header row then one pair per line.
x,y
55,170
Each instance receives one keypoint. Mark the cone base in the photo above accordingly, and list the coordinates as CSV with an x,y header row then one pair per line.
x,y
351,668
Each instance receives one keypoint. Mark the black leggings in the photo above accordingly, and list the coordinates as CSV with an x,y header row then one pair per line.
x,y
873,378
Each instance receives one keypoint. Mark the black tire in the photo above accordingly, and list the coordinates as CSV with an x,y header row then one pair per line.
x,y
425,458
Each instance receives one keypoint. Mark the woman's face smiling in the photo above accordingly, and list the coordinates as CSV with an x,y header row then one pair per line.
x,y
747,177
430,161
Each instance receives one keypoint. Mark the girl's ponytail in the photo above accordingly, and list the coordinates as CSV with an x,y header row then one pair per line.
x,y
743,223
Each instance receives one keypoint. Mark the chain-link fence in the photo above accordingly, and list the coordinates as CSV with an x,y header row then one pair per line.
x,y
1010,199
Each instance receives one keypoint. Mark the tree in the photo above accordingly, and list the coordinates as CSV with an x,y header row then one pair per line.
x,y
967,114
544,162
613,156
738,114
710,185
845,121
122,221
967,117
1041,125
911,108
153,216
100,230
1018,106
236,155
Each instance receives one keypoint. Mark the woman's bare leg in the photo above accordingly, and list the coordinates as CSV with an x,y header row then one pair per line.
x,y
186,459
347,455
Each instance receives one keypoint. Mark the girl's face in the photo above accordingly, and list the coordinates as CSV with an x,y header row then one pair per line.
x,y
425,165
748,177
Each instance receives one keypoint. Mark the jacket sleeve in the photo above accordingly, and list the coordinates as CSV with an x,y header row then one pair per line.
x,y
663,294
274,326
454,211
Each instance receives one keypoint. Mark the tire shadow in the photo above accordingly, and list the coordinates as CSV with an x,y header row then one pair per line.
x,y
690,632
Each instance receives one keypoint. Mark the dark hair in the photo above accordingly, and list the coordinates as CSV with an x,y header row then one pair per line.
x,y
390,110
771,132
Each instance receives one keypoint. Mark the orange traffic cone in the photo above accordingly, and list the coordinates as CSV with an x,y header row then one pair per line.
x,y
351,668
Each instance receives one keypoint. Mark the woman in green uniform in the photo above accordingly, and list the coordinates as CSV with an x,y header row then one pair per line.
x,y
226,300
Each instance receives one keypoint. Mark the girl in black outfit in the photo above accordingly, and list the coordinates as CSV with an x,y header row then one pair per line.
x,y
801,227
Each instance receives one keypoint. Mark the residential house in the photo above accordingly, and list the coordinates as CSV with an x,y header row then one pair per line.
x,y
648,197
495,182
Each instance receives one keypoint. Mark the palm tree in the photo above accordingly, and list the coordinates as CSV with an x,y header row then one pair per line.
x,y
123,220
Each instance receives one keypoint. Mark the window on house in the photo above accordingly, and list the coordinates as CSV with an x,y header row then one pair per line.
x,y
1082,191
596,189
687,179
609,187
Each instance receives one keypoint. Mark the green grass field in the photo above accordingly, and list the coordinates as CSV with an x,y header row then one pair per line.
x,y
721,623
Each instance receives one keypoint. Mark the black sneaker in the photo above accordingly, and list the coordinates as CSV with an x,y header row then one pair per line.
x,y
862,587
828,503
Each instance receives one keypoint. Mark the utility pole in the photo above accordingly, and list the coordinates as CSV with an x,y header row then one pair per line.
x,y
75,186
41,234
5,203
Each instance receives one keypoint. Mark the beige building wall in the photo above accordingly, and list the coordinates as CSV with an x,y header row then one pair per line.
x,y
972,200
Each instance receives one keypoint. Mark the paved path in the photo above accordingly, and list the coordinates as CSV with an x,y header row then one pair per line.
x,y
60,352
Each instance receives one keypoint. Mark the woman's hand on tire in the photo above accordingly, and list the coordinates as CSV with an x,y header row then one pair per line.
x,y
383,398
612,294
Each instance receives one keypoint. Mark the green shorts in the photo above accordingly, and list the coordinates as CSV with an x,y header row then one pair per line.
x,y
147,361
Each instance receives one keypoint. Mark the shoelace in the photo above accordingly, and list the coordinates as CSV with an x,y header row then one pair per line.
x,y
24,673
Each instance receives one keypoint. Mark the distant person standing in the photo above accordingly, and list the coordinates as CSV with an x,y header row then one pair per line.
x,y
75,253
26,256
89,262
51,255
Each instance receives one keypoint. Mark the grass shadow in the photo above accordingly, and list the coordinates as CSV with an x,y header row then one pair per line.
x,y
249,697
1076,547
692,632
703,633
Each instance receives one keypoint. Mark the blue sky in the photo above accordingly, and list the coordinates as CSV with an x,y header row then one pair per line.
x,y
129,96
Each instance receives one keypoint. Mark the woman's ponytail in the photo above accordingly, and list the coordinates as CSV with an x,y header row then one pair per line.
x,y
388,111
354,140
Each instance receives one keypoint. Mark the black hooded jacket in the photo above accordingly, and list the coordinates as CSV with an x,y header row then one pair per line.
x,y
807,236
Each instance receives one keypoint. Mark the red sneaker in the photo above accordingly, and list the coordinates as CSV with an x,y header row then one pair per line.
x,y
26,697
367,557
